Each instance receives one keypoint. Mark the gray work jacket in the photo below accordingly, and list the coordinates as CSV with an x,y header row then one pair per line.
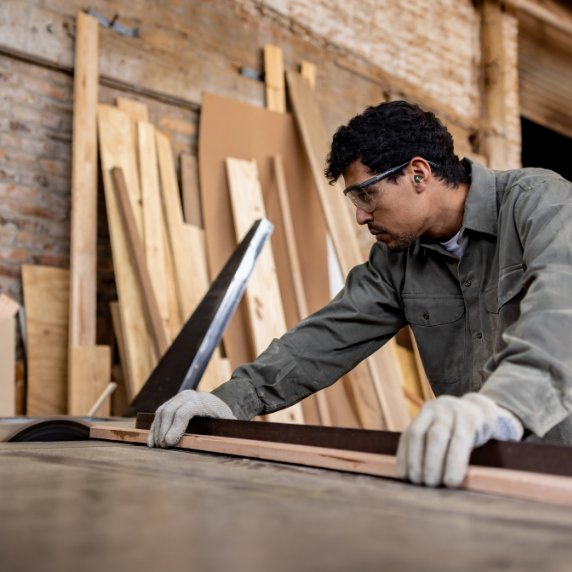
x,y
498,321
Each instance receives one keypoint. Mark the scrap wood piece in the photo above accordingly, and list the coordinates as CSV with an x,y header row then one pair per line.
x,y
185,361
506,482
341,227
308,70
264,301
150,305
46,302
8,310
117,150
274,78
191,195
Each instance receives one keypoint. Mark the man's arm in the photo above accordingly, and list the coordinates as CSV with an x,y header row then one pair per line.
x,y
314,354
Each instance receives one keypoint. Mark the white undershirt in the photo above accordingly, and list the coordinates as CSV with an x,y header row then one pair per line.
x,y
452,246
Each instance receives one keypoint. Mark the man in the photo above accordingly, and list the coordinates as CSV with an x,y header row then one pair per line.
x,y
478,262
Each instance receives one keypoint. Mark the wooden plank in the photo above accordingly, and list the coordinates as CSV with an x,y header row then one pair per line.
x,y
153,222
308,70
388,384
135,109
506,482
263,297
46,302
152,313
191,196
274,78
117,150
188,294
8,311
91,364
83,238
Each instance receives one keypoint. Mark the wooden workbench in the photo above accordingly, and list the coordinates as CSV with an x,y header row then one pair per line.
x,y
96,506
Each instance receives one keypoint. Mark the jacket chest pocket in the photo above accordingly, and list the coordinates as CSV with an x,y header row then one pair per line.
x,y
439,328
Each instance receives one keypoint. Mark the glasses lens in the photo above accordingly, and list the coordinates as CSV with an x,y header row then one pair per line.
x,y
363,198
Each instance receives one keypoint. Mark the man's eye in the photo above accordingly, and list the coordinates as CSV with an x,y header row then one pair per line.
x,y
364,196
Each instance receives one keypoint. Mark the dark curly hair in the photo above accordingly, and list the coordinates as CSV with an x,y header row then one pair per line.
x,y
392,133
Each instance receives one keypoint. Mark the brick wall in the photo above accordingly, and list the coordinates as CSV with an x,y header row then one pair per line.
x,y
366,51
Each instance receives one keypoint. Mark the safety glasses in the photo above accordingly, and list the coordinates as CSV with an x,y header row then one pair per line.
x,y
365,199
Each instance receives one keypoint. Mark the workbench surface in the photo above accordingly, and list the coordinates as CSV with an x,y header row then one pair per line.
x,y
93,506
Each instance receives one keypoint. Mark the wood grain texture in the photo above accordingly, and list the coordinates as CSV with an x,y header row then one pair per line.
x,y
264,302
46,302
91,365
118,150
506,482
152,312
383,367
153,221
274,78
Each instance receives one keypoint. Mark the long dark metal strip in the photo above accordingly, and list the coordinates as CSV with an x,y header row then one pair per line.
x,y
534,457
185,361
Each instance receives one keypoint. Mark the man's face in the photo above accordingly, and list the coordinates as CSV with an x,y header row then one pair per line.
x,y
398,214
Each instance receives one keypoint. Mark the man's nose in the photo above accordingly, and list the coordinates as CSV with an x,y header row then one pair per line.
x,y
363,217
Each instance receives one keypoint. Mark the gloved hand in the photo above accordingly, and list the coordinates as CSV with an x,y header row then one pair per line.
x,y
172,418
436,447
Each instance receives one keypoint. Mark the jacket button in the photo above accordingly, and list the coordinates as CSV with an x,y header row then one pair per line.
x,y
468,283
478,335
426,316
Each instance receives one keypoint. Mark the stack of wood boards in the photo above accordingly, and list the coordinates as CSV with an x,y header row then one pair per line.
x,y
252,162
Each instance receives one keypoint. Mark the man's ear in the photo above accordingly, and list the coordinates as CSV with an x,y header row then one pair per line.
x,y
421,172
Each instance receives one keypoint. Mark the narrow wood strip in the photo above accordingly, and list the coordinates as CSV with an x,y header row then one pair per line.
x,y
308,70
153,221
105,394
191,196
274,77
264,302
83,237
341,228
150,306
519,484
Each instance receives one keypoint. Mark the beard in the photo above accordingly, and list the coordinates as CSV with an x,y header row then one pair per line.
x,y
394,242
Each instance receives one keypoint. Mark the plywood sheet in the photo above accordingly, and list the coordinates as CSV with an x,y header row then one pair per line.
x,y
46,302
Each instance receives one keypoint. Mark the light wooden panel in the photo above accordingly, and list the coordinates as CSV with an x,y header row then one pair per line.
x,y
8,311
308,70
117,150
263,298
383,367
274,77
46,302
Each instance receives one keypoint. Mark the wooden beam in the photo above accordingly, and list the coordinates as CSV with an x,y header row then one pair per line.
x,y
493,136
338,217
506,482
554,16
274,77
191,196
263,297
308,70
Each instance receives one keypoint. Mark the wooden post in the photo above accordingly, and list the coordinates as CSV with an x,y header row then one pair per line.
x,y
274,75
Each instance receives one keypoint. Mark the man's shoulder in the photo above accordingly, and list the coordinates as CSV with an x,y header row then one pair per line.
x,y
527,179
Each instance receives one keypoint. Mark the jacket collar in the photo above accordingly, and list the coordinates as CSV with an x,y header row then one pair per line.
x,y
481,213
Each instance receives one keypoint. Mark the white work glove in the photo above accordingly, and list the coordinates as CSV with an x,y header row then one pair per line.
x,y
172,418
436,447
